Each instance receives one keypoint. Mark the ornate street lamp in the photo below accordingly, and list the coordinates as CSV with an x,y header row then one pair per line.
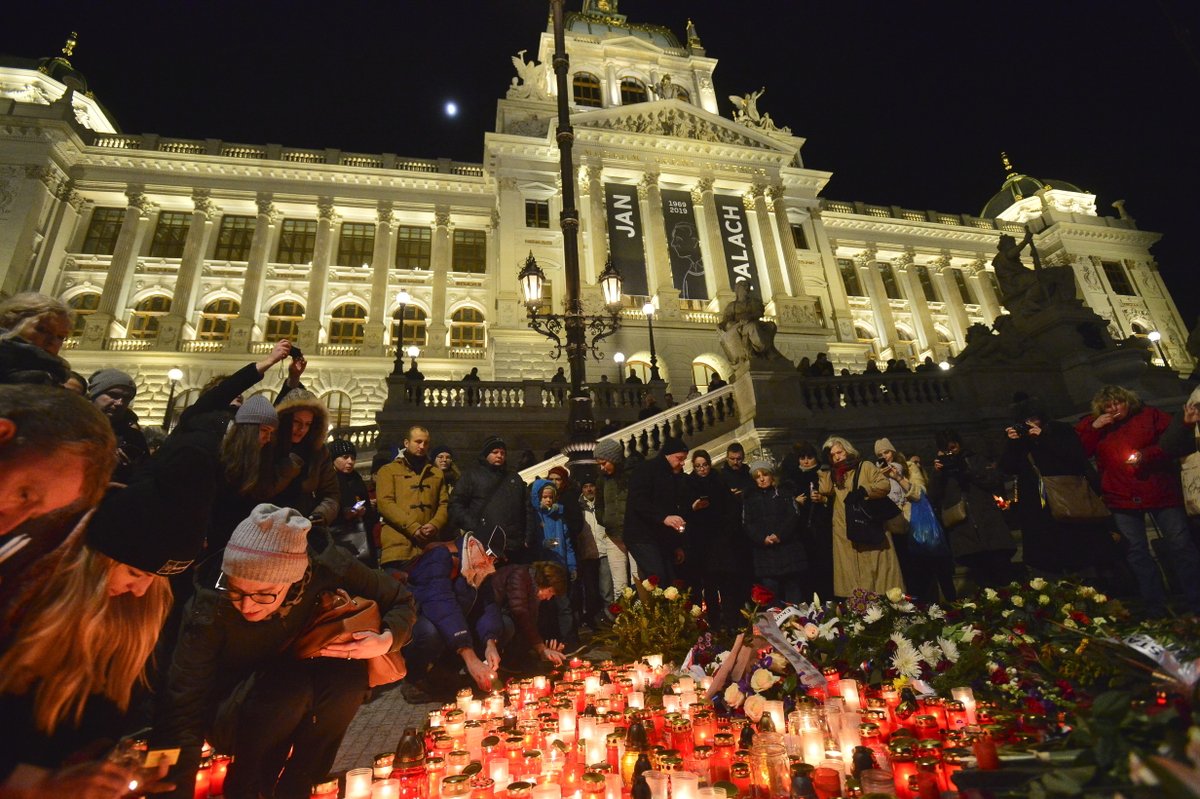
x,y
1156,337
648,310
174,374
619,358
403,298
569,331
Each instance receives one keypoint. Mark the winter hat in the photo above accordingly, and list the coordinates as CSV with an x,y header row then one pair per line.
x,y
609,450
1027,408
340,446
673,445
270,546
108,379
883,445
439,450
493,443
257,410
561,471
762,465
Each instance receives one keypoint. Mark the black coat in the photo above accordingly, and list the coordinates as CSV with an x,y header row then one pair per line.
x,y
772,510
654,494
714,531
487,497
23,362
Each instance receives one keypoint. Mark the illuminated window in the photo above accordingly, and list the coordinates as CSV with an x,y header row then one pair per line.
x,y
926,282
639,368
587,90
297,240
701,374
283,320
890,287
866,335
83,305
414,247
414,326
537,213
850,280
799,240
964,291
356,244
339,406
170,234
101,238
234,237
1117,278
683,94
470,252
216,318
346,324
906,341
632,91
466,328
143,321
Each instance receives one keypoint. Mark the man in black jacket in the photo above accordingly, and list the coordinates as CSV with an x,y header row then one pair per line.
x,y
491,497
654,523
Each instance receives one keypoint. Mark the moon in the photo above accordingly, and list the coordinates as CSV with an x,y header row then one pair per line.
x,y
451,108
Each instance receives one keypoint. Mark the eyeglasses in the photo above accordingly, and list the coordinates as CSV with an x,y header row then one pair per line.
x,y
235,596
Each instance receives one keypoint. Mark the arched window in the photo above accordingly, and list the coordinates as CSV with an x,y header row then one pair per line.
x,y
83,305
181,403
639,368
216,318
632,91
466,328
339,405
701,375
587,90
283,320
906,341
414,326
865,335
346,324
683,94
143,322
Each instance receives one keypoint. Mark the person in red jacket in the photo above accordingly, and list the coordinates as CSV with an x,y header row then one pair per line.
x,y
1137,478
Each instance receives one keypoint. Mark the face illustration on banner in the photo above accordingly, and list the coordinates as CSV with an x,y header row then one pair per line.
x,y
683,242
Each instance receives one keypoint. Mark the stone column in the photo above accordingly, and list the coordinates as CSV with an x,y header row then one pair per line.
x,y
61,232
381,263
922,318
656,247
441,254
783,226
613,85
23,252
191,266
881,308
509,310
839,301
241,332
115,296
948,291
714,252
596,220
988,301
318,278
766,236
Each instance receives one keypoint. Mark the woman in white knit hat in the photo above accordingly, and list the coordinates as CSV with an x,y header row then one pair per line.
x,y
233,683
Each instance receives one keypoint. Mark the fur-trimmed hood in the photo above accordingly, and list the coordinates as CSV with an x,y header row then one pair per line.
x,y
303,400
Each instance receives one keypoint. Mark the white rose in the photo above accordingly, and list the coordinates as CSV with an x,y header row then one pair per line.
x,y
671,593
696,611
990,594
1043,599
649,586
895,594
762,679
1006,613
1100,599
1070,624
1019,601
628,592
754,707
811,631
734,695
1037,583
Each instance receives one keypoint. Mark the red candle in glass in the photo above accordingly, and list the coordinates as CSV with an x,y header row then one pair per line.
x,y
827,783
986,757
325,790
216,775
704,727
203,780
956,715
722,756
904,767
739,775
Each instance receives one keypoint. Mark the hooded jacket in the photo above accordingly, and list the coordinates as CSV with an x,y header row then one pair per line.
x,y
552,541
1152,483
307,479
406,500
448,601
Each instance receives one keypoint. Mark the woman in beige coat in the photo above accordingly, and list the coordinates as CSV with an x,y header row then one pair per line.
x,y
854,566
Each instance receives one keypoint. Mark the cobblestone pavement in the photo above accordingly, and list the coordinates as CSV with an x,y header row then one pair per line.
x,y
377,727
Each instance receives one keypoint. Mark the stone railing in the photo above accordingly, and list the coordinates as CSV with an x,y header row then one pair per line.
x,y
129,344
822,394
363,437
513,394
911,215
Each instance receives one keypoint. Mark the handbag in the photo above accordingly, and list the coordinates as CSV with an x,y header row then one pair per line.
x,y
338,616
1070,498
954,515
866,519
1189,472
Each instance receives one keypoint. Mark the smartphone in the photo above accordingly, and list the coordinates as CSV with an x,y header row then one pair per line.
x,y
358,505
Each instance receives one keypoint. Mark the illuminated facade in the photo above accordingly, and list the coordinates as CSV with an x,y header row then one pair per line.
x,y
194,253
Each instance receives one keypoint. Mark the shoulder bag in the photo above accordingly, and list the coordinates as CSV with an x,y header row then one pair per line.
x,y
866,519
1069,497
337,617
1190,474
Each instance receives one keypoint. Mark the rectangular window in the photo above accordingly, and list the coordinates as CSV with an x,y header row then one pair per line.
x,y
926,281
170,235
234,237
849,270
414,246
356,244
103,230
890,287
1118,279
995,283
964,290
537,213
799,240
297,240
470,252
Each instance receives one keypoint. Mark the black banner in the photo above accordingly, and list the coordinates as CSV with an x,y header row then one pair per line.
x,y
736,243
683,242
625,237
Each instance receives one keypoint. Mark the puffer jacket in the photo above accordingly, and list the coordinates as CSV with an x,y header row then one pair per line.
x,y
23,362
551,540
1154,482
447,600
515,593
488,497
218,648
307,480
767,511
406,500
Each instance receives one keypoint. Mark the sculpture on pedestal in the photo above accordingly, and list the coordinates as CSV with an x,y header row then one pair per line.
x,y
745,335
532,77
1026,291
746,112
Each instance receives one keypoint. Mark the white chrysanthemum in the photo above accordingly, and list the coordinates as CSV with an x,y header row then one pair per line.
x,y
906,662
930,653
1086,591
874,613
671,593
1037,584
935,612
949,649
1100,599
762,679
900,641
905,606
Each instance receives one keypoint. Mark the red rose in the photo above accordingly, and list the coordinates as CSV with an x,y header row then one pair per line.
x,y
999,677
615,609
761,596
1019,629
1080,617
653,580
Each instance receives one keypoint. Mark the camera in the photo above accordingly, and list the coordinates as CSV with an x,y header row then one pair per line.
x,y
295,353
882,463
1021,428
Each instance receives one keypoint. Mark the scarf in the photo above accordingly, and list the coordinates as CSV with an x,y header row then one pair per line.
x,y
841,469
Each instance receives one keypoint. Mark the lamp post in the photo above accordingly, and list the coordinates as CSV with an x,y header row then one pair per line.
x,y
1156,337
174,374
413,351
403,298
648,310
619,358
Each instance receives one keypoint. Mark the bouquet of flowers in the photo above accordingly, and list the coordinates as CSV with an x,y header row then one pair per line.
x,y
652,619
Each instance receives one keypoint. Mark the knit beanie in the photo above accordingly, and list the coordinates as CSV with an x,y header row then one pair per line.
x,y
609,450
883,445
561,471
439,450
762,465
673,445
257,410
107,379
339,447
270,546
492,443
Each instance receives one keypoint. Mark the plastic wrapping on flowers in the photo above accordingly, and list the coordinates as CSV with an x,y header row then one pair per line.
x,y
652,619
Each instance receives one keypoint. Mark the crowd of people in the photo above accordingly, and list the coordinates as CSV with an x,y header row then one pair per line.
x,y
177,587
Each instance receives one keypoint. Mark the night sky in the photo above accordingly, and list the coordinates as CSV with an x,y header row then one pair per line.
x,y
907,104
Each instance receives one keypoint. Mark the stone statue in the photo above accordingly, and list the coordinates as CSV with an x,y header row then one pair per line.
x,y
745,335
1026,291
746,112
665,90
532,79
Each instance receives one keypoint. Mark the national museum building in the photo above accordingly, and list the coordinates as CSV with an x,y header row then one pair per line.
x,y
196,253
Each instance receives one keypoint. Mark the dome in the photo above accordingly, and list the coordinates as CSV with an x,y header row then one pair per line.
x,y
1017,187
600,19
60,68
